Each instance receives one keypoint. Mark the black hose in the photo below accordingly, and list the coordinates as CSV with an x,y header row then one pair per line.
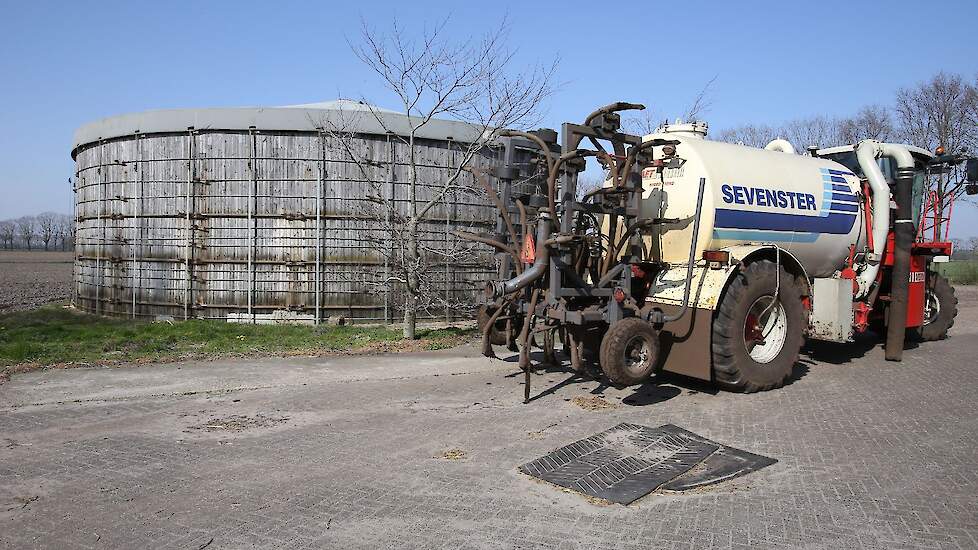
x,y
903,234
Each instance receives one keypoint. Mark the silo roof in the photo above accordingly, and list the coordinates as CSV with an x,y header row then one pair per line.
x,y
340,115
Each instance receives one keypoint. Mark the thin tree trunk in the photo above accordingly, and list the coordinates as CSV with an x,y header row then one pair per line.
x,y
412,285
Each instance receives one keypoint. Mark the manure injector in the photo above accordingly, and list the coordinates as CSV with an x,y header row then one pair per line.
x,y
708,259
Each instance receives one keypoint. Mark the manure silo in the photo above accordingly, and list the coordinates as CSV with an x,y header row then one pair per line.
x,y
252,213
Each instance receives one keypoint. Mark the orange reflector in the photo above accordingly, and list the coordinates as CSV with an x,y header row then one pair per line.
x,y
721,256
529,253
619,295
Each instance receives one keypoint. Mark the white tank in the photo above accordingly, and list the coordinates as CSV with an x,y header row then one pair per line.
x,y
806,205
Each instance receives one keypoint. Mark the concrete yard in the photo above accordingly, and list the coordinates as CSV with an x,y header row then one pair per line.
x,y
421,451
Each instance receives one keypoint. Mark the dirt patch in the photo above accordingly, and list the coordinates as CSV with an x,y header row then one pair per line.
x,y
239,423
32,279
452,454
592,403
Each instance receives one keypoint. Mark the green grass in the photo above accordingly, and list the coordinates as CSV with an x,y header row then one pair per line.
x,y
56,335
961,272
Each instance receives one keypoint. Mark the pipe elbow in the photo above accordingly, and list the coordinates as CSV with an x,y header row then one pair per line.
x,y
781,146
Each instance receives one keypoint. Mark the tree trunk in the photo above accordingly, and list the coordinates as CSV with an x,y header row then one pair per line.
x,y
412,285
410,316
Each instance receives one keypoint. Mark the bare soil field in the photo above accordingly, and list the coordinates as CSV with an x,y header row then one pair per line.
x,y
31,279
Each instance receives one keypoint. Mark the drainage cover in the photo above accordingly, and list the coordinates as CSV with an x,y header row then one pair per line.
x,y
629,461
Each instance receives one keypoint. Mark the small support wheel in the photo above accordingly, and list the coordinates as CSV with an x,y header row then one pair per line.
x,y
629,352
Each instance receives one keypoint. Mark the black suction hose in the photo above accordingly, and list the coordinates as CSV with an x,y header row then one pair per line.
x,y
903,234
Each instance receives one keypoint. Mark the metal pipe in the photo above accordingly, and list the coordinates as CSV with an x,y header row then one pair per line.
x,y
525,342
867,152
692,257
781,146
539,267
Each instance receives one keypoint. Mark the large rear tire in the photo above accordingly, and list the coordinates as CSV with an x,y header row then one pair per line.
x,y
940,308
629,352
756,338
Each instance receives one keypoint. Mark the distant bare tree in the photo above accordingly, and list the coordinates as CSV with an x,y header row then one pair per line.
x,y
27,230
749,134
817,131
7,233
642,124
702,102
64,228
46,228
471,81
588,182
941,112
973,245
870,122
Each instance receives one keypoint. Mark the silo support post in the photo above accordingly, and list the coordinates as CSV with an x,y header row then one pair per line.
x,y
137,210
101,225
252,191
319,223
189,254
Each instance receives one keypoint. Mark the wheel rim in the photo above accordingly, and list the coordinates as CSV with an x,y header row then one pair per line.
x,y
932,307
765,330
637,353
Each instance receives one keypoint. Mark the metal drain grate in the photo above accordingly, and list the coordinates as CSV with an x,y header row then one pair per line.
x,y
629,461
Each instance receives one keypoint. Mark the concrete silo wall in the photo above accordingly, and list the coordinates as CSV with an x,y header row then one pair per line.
x,y
207,224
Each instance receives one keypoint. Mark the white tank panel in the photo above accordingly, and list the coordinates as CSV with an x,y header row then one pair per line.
x,y
805,205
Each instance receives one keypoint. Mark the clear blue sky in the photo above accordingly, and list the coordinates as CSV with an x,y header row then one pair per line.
x,y
67,63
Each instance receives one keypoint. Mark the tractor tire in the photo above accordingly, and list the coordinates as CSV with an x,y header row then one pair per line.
x,y
756,343
497,335
629,352
940,309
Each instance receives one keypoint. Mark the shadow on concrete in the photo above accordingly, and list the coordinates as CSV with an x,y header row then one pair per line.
x,y
667,385
839,353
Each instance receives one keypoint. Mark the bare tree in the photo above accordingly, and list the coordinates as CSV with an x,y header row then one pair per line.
x,y
749,134
27,230
433,77
870,122
7,232
817,131
644,123
940,112
702,102
46,227
973,245
64,227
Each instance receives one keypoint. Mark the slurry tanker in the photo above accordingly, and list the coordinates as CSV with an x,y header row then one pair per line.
x,y
710,259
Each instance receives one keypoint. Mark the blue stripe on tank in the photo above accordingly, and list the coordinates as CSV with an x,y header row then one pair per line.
x,y
835,223
764,236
